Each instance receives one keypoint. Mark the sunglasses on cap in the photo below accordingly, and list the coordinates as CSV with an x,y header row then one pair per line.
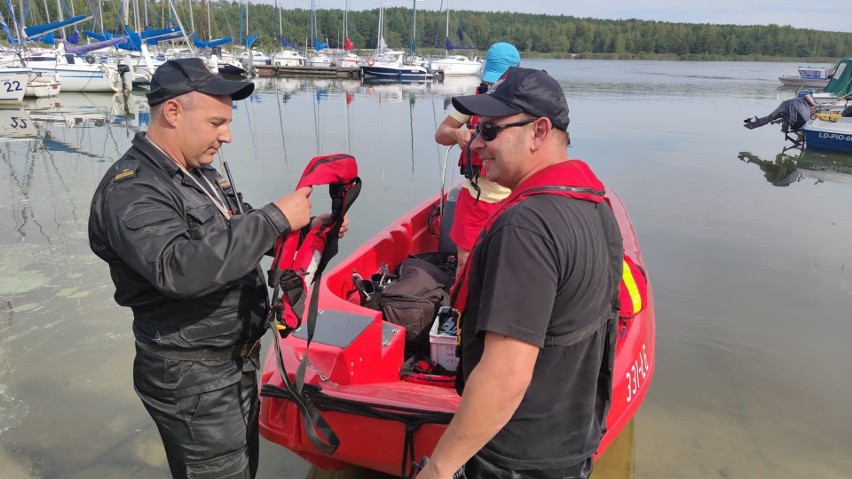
x,y
489,131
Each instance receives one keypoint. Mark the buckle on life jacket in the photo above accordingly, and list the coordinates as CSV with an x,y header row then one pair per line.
x,y
290,284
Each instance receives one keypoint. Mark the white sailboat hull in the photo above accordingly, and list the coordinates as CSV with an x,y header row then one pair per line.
x,y
457,66
13,84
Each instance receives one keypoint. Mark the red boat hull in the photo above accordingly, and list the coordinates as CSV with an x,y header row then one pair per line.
x,y
356,356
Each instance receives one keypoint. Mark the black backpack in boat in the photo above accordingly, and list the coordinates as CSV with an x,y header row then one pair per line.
x,y
413,299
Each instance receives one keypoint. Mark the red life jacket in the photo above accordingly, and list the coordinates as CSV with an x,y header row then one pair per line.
x,y
300,260
470,163
572,178
474,167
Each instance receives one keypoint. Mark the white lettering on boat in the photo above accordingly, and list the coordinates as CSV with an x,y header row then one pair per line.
x,y
835,136
637,374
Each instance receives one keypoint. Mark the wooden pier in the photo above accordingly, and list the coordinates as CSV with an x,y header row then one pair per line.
x,y
308,72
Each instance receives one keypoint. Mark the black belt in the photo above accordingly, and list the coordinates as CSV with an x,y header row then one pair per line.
x,y
200,354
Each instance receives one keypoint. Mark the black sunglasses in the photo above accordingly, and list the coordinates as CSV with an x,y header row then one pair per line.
x,y
489,130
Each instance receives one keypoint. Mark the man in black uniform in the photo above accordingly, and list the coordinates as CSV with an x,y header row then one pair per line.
x,y
537,334
187,263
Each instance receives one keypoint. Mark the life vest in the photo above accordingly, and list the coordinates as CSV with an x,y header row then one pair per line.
x,y
470,164
558,180
301,257
573,179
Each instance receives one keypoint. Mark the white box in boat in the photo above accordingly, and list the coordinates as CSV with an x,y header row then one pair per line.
x,y
442,348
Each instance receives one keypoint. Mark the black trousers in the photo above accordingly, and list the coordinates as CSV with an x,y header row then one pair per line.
x,y
479,468
212,435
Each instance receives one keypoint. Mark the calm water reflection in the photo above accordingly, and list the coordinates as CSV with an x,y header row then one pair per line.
x,y
748,250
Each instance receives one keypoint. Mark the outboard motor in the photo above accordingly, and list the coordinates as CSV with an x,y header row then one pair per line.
x,y
123,70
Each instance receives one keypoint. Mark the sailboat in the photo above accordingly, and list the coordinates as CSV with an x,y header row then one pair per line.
x,y
347,59
287,56
455,64
317,58
13,84
72,72
390,66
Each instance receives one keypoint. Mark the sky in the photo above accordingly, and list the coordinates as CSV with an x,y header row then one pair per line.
x,y
829,15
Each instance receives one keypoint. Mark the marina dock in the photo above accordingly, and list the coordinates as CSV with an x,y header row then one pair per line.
x,y
307,71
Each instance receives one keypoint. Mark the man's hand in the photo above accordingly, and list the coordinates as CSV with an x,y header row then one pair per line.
x,y
296,207
463,137
344,227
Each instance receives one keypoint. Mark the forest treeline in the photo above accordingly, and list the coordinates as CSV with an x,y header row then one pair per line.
x,y
544,35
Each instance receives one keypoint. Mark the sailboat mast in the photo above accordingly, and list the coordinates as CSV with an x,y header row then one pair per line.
x,y
447,52
191,17
59,12
201,21
280,25
101,15
345,19
313,24
46,11
381,32
413,45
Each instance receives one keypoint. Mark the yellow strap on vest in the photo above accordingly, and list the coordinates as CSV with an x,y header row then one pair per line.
x,y
630,283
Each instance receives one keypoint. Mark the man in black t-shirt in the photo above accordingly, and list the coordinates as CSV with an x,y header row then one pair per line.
x,y
536,298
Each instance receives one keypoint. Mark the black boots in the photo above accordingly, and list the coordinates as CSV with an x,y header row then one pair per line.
x,y
752,123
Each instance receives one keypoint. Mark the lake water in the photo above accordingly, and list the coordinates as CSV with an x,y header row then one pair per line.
x,y
748,252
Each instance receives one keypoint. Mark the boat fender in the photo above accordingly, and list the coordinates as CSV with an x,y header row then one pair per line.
x,y
371,61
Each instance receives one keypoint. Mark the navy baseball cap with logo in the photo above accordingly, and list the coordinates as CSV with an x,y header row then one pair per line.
x,y
521,90
183,75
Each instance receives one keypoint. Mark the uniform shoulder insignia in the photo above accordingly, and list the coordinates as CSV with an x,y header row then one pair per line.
x,y
124,175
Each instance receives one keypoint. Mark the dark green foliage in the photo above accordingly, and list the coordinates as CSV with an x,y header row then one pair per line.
x,y
541,35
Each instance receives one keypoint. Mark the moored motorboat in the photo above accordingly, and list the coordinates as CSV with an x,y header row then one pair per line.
x,y
456,65
813,77
393,68
355,358
41,87
829,135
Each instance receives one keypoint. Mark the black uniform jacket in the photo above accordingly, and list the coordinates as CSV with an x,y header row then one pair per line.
x,y
191,276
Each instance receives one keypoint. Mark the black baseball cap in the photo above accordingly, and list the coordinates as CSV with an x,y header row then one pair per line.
x,y
183,75
520,90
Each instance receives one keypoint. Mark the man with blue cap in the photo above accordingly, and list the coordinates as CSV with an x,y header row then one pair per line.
x,y
479,195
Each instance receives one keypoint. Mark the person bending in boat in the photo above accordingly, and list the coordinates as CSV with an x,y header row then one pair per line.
x,y
793,114
478,196
536,298
164,220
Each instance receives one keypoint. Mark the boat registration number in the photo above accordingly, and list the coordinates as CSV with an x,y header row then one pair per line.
x,y
637,374
11,86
